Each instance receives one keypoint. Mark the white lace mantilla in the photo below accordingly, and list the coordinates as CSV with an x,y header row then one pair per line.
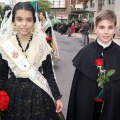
x,y
46,25
36,53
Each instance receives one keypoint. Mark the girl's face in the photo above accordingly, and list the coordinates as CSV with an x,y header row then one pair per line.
x,y
41,16
23,22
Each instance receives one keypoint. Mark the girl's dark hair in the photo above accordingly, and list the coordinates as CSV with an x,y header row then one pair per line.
x,y
44,14
9,13
23,6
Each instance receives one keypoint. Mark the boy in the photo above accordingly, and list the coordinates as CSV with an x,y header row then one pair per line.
x,y
84,86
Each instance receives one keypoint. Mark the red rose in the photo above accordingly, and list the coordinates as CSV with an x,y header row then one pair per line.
x,y
4,100
99,62
98,100
48,38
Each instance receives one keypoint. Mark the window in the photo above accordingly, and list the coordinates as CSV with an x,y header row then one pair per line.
x,y
93,3
111,1
57,3
87,4
103,2
62,10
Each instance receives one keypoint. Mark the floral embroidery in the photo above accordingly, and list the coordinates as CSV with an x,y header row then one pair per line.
x,y
15,54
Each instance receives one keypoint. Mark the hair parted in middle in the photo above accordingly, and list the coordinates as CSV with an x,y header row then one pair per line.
x,y
106,15
23,6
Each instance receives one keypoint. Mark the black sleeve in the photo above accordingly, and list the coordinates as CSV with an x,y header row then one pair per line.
x,y
3,72
49,31
49,75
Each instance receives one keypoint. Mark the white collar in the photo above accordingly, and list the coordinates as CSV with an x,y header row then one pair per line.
x,y
103,45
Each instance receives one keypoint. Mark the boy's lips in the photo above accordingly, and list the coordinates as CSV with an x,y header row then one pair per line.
x,y
105,37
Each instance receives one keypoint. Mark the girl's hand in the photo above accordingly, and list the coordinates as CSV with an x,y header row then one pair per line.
x,y
59,105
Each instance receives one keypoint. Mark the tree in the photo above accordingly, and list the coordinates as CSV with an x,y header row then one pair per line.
x,y
44,5
0,9
4,9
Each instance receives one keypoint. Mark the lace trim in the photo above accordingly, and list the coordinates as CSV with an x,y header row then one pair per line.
x,y
46,25
36,53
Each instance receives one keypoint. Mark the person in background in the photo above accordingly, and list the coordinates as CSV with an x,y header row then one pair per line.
x,y
76,26
85,102
84,31
34,94
72,30
46,26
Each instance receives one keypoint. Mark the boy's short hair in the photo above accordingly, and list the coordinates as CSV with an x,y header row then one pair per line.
x,y
106,15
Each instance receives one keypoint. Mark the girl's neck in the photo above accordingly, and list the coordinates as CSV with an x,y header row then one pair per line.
x,y
24,37
43,20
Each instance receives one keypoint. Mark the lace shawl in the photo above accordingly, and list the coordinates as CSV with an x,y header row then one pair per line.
x,y
46,25
36,53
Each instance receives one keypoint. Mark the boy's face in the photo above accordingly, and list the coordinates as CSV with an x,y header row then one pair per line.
x,y
105,31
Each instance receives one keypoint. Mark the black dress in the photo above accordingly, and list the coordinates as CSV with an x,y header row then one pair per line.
x,y
81,101
27,100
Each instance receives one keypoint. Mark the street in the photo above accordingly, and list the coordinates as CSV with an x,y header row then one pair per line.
x,y
68,48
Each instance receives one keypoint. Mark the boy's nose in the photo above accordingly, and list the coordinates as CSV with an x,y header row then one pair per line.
x,y
106,30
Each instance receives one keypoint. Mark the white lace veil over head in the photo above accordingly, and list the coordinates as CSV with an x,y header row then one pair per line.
x,y
7,29
5,17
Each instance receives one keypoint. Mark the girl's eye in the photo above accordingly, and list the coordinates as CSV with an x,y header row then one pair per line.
x,y
29,20
19,20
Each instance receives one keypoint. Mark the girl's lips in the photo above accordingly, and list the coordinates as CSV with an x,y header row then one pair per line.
x,y
24,29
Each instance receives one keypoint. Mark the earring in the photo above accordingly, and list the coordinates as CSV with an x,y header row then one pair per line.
x,y
14,28
33,29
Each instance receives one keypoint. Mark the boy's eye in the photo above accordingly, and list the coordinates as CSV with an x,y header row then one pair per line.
x,y
110,27
101,27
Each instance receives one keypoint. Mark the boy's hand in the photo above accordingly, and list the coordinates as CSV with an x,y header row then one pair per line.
x,y
59,105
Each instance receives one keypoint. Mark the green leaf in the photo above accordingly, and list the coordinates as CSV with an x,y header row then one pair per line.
x,y
99,79
100,83
102,86
106,78
110,72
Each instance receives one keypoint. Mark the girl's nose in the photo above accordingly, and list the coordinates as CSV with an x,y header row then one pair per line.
x,y
24,22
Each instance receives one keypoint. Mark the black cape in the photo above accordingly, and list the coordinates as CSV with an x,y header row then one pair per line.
x,y
84,84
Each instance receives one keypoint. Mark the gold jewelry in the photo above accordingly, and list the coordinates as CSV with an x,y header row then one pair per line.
x,y
14,28
33,28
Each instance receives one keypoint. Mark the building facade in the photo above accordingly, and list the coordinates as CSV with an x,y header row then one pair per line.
x,y
92,5
60,8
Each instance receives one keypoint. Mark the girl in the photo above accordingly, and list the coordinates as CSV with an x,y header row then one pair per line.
x,y
31,86
46,26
